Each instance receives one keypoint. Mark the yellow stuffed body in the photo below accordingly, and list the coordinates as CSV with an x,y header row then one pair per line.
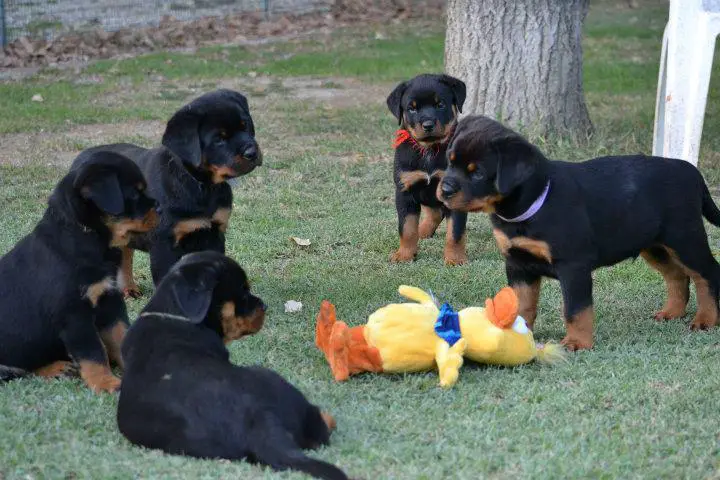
x,y
412,337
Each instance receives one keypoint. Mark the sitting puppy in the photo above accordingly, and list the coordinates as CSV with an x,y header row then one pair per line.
x,y
59,292
563,220
181,394
426,108
206,143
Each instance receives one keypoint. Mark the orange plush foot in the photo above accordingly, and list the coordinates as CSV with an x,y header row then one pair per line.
x,y
338,347
345,349
323,327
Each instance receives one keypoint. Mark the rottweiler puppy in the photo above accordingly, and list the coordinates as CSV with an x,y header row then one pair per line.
x,y
563,220
181,394
61,302
206,143
426,108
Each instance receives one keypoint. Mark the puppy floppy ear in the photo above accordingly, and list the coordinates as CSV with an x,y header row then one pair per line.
x,y
458,88
182,135
238,98
394,99
102,187
192,290
517,161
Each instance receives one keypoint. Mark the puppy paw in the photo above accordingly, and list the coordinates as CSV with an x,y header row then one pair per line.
x,y
703,322
132,291
98,377
574,344
666,314
60,369
329,420
402,256
454,258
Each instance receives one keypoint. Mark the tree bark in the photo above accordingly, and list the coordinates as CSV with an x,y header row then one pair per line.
x,y
521,61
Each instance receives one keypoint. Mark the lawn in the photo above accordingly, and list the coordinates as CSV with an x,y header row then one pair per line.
x,y
641,404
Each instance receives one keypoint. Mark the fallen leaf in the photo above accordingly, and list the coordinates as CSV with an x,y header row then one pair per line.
x,y
303,242
37,98
293,306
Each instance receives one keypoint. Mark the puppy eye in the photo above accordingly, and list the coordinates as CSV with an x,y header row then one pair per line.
x,y
242,125
223,135
440,105
412,108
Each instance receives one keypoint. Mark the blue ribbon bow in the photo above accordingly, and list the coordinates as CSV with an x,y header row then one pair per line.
x,y
447,325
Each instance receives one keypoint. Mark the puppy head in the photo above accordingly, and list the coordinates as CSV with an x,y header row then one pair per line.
x,y
214,136
211,289
113,191
486,163
427,106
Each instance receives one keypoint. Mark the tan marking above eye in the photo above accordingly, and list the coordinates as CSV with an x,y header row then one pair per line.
x,y
452,156
413,104
223,134
242,125
140,187
471,167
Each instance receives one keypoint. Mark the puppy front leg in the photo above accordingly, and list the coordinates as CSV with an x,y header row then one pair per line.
x,y
130,288
84,346
455,252
408,220
576,285
527,288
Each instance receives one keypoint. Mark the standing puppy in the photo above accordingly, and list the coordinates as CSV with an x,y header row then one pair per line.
x,y
181,394
207,142
60,299
563,220
426,108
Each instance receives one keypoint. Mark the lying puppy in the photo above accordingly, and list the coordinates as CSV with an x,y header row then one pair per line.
x,y
426,108
206,143
564,220
181,394
59,292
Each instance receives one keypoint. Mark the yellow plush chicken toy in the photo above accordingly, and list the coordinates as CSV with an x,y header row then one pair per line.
x,y
412,337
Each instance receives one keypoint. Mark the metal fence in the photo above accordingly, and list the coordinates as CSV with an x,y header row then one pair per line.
x,y
49,18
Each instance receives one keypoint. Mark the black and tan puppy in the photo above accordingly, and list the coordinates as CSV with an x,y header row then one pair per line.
x,y
426,108
563,220
61,305
181,394
207,142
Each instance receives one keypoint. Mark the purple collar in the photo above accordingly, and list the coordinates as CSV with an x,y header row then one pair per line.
x,y
537,205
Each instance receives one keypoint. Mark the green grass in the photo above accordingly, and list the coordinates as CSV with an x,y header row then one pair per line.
x,y
641,404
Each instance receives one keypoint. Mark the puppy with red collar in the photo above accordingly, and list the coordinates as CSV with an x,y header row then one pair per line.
x,y
426,108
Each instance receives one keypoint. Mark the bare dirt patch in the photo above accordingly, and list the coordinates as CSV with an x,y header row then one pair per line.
x,y
266,96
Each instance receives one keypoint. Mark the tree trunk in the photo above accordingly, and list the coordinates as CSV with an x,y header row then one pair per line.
x,y
521,61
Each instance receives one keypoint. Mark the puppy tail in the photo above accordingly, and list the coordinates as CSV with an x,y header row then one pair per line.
x,y
315,468
709,209
11,373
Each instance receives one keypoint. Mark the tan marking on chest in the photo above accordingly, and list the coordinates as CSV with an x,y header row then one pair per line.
x,y
222,218
190,225
536,248
98,289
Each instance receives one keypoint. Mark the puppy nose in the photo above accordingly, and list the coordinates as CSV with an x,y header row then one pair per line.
x,y
251,153
428,125
449,187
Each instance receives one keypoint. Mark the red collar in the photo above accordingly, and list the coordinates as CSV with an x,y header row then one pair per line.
x,y
403,136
